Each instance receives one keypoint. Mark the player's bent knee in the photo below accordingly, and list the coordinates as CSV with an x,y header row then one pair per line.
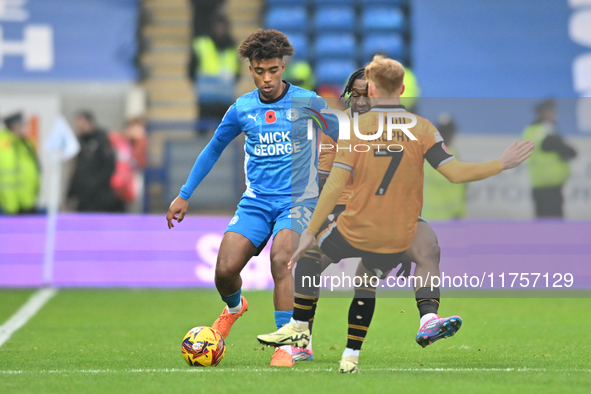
x,y
430,254
279,266
225,271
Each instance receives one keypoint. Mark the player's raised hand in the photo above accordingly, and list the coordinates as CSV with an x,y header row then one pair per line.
x,y
516,154
306,241
177,211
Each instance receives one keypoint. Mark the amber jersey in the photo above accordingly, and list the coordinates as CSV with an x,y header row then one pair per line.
x,y
328,152
387,188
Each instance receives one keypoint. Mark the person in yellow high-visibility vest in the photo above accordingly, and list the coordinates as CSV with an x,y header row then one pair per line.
x,y
412,91
548,165
19,168
299,73
215,69
443,200
8,173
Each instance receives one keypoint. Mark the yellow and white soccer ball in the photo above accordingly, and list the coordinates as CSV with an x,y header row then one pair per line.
x,y
203,347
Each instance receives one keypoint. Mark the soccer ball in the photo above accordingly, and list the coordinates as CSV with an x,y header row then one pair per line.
x,y
203,347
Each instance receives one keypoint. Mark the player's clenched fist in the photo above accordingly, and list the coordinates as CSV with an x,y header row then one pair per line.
x,y
177,210
516,154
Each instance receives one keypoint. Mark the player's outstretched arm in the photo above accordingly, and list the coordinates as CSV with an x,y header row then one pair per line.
x,y
177,211
458,172
516,154
201,168
225,133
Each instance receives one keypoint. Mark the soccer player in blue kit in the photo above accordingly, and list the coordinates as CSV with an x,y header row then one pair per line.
x,y
281,179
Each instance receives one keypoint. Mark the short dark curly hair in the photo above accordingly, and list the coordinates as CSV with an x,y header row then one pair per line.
x,y
265,44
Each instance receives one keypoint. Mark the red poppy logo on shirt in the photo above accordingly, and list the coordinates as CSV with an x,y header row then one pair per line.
x,y
270,116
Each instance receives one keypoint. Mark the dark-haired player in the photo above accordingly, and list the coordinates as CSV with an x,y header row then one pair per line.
x,y
281,180
306,298
424,249
373,225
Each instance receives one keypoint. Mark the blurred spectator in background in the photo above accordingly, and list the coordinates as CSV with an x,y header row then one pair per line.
x,y
299,73
90,188
548,165
135,133
443,200
411,91
202,12
215,70
19,168
131,157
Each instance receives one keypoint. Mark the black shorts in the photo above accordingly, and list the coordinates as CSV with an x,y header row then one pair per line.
x,y
337,248
338,209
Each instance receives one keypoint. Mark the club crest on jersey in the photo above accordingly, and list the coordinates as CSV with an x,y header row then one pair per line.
x,y
292,115
270,116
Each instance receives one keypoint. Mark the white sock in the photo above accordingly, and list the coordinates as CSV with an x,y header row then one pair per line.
x,y
235,309
309,346
287,348
426,318
301,324
350,352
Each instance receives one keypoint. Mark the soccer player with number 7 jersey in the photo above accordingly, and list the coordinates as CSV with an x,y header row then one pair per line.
x,y
380,219
281,179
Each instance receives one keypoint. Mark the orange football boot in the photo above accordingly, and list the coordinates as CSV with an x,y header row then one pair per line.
x,y
224,323
281,358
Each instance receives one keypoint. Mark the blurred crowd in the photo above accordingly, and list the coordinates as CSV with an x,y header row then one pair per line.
x,y
548,166
107,172
108,167
215,71
19,167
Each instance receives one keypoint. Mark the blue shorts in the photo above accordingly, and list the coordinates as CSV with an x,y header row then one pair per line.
x,y
259,218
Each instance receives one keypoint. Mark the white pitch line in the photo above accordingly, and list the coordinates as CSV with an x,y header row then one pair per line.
x,y
25,313
212,370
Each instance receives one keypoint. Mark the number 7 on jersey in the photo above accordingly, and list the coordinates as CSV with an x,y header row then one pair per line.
x,y
396,157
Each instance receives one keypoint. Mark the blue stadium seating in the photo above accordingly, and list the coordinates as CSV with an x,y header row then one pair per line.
x,y
332,2
335,19
272,3
335,46
365,3
390,44
327,38
287,19
334,71
382,18
299,42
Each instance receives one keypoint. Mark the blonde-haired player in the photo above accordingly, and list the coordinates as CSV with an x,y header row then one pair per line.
x,y
380,219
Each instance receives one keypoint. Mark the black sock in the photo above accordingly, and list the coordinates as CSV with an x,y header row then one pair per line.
x,y
303,308
307,286
360,315
311,321
427,300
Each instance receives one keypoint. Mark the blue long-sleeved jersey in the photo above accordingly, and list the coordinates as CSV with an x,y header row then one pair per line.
x,y
281,156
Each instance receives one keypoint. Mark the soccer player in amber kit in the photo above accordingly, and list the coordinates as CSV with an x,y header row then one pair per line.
x,y
380,219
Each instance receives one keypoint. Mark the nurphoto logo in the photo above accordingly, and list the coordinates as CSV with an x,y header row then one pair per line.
x,y
396,128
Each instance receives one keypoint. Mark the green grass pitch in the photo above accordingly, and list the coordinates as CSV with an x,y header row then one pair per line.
x,y
127,341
